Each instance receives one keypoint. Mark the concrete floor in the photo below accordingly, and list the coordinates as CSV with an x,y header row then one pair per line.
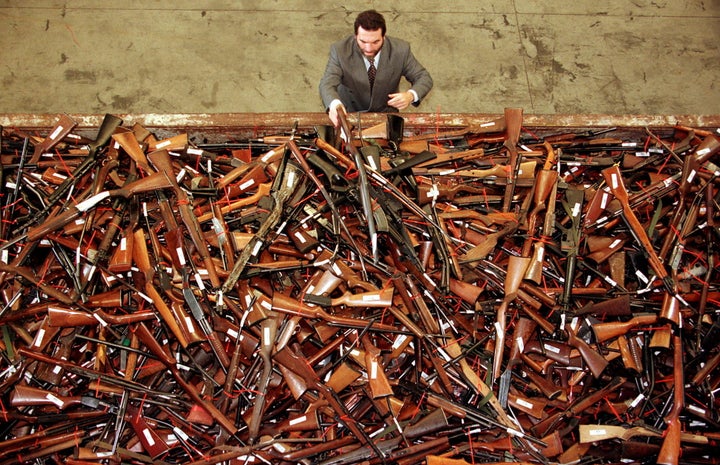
x,y
222,56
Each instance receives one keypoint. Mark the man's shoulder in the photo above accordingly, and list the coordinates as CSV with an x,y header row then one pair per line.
x,y
396,44
345,43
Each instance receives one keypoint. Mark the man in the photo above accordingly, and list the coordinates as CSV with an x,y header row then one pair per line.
x,y
348,75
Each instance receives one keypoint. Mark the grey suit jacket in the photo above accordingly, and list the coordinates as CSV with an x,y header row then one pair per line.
x,y
346,78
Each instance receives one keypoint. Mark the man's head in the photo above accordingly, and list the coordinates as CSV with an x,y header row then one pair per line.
x,y
370,32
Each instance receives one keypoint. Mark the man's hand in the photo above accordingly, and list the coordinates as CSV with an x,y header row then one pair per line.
x,y
401,100
333,112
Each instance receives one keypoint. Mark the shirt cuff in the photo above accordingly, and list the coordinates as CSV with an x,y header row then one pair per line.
x,y
415,95
334,104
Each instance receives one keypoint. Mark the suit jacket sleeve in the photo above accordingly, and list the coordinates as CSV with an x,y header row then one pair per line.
x,y
417,75
332,78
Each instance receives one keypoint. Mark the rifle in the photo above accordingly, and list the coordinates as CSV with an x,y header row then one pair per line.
x,y
166,359
149,183
107,127
671,446
513,120
363,184
515,272
373,299
65,317
593,433
613,178
161,160
577,407
286,182
607,331
285,304
526,170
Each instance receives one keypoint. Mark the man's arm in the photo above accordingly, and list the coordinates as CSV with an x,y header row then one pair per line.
x,y
331,79
418,77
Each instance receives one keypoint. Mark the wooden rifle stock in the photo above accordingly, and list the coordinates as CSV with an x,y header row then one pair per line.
x,y
593,433
62,128
606,331
594,360
577,407
513,121
377,379
614,180
614,306
154,346
25,396
554,350
515,273
65,317
129,143
372,299
671,446
285,304
161,160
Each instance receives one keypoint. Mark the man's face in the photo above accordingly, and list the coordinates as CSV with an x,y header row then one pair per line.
x,y
370,42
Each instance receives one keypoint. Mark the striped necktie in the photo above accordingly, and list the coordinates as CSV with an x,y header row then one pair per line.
x,y
371,73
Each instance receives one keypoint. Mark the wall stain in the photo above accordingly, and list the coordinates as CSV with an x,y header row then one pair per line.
x,y
213,97
80,76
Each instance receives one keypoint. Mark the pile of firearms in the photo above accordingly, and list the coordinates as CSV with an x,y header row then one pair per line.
x,y
488,294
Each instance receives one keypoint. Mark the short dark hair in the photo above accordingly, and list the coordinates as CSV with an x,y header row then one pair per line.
x,y
370,20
